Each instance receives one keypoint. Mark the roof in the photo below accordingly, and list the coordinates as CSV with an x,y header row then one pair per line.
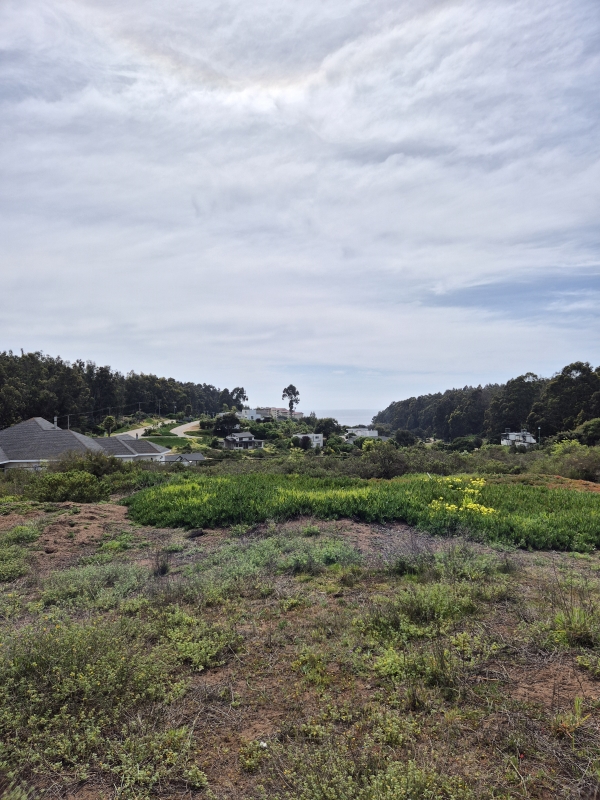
x,y
185,457
36,439
126,445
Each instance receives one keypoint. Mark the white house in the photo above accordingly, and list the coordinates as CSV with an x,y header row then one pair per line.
x,y
523,438
249,414
367,433
316,439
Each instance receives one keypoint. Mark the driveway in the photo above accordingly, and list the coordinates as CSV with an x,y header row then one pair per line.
x,y
140,431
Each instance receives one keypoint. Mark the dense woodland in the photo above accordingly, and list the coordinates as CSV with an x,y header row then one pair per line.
x,y
38,385
562,403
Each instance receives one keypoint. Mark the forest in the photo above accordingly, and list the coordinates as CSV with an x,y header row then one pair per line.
x,y
554,405
81,393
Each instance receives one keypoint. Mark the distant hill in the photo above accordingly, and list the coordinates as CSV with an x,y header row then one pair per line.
x,y
561,403
38,385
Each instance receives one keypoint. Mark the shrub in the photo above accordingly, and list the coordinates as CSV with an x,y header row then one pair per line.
x,y
63,686
76,486
100,586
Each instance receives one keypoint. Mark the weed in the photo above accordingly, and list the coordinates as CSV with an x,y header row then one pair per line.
x,y
251,754
101,586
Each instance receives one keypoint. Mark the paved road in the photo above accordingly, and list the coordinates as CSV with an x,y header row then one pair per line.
x,y
140,431
181,429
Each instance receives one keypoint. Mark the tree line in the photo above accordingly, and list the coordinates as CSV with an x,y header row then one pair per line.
x,y
81,394
553,405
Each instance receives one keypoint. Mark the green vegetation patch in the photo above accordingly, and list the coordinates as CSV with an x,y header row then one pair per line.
x,y
64,685
75,486
13,556
529,516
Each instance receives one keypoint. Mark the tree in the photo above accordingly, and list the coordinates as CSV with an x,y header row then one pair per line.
x,y
405,438
292,395
226,424
188,410
109,424
328,426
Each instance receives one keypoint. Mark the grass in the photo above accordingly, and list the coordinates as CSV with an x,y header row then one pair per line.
x,y
526,515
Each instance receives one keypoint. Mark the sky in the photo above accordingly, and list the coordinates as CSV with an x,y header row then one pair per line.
x,y
371,199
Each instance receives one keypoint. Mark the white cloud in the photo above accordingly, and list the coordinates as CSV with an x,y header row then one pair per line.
x,y
238,192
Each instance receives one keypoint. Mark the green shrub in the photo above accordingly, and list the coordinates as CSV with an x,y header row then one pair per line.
x,y
63,686
328,772
13,562
525,515
99,586
76,486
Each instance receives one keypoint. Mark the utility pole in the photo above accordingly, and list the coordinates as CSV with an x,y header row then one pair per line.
x,y
159,408
174,408
68,422
539,435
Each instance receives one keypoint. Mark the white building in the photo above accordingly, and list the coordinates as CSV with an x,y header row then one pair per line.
x,y
523,438
366,433
278,413
249,414
316,439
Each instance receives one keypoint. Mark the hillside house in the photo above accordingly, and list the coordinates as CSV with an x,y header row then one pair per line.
x,y
242,440
35,441
316,439
367,433
524,438
187,459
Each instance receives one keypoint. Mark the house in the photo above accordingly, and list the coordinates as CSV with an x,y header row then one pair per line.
x,y
125,447
187,459
316,439
523,438
249,414
242,440
366,433
31,443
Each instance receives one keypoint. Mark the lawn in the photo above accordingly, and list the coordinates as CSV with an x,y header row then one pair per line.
x,y
535,516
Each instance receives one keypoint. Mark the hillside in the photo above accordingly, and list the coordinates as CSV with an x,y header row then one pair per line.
x,y
561,403
303,659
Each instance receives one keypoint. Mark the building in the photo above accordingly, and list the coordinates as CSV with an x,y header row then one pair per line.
x,y
187,459
242,440
366,433
523,438
316,439
249,414
32,443
278,413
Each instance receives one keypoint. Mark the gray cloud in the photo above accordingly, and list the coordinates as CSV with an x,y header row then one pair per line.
x,y
379,198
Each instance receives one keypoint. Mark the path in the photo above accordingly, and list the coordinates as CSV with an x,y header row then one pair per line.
x,y
140,431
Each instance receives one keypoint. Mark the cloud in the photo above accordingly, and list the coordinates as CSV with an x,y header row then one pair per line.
x,y
235,193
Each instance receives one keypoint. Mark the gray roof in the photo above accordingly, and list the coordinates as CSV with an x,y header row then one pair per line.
x,y
37,439
185,457
127,445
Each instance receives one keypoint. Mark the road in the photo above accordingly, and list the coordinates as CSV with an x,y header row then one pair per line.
x,y
178,431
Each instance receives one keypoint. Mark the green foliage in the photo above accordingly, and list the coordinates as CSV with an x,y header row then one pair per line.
x,y
336,773
14,557
63,685
95,585
526,515
78,487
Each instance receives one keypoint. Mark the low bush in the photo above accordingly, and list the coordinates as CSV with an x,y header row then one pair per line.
x,y
98,586
76,486
63,686
518,513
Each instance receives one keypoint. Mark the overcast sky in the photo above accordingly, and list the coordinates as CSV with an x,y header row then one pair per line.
x,y
368,198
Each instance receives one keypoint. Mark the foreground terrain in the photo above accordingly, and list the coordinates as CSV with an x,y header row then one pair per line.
x,y
306,659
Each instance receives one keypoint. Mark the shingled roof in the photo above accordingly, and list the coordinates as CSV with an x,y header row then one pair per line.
x,y
37,440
